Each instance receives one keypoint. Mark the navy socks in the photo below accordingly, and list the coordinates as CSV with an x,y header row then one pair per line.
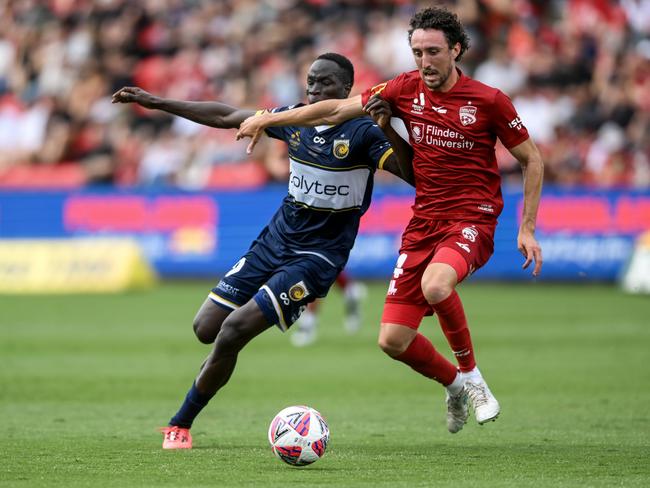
x,y
192,406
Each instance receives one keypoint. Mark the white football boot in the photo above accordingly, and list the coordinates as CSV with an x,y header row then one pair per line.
x,y
486,407
457,410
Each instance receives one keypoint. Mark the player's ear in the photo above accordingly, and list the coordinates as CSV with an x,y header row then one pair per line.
x,y
455,50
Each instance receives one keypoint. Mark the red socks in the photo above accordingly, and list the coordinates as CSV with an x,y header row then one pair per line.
x,y
342,280
423,358
454,325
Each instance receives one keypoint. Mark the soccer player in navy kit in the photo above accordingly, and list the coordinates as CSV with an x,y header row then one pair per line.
x,y
453,124
298,255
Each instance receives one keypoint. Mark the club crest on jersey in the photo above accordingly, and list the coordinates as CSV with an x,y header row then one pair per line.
x,y
467,114
417,131
298,291
470,233
341,148
294,140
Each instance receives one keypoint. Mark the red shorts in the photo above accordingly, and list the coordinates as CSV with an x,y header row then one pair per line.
x,y
423,242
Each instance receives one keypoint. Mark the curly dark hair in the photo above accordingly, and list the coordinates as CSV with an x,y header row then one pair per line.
x,y
346,71
442,20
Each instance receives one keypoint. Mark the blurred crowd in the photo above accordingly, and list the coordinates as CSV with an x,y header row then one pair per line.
x,y
578,72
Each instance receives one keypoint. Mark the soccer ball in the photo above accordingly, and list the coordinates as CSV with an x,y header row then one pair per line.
x,y
299,435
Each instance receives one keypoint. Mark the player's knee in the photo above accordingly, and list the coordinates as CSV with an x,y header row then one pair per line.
x,y
392,344
435,291
207,323
202,331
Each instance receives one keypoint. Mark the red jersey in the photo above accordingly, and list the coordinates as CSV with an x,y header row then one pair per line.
x,y
453,135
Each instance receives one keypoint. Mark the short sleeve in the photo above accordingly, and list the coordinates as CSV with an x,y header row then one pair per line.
x,y
378,147
387,90
507,125
281,133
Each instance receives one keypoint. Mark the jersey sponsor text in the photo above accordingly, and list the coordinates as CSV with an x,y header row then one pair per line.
x,y
437,136
319,188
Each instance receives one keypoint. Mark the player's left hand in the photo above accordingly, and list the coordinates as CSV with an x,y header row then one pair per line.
x,y
530,249
379,110
252,127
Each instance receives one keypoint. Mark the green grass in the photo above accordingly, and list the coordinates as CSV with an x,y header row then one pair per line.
x,y
85,381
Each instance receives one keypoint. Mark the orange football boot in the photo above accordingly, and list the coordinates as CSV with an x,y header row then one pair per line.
x,y
176,437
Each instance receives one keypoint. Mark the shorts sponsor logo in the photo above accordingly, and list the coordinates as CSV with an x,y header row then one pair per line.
x,y
298,291
229,289
470,233
341,148
397,272
463,246
467,114
486,207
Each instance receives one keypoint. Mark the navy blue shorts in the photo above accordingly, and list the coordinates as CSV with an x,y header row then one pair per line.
x,y
282,281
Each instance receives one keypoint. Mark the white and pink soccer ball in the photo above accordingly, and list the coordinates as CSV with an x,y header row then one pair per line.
x,y
299,435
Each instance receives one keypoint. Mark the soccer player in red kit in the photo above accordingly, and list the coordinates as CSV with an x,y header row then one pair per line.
x,y
453,123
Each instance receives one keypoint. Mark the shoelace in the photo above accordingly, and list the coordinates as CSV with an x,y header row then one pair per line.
x,y
477,393
456,402
171,433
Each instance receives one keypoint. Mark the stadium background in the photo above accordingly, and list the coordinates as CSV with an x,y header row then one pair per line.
x,y
72,164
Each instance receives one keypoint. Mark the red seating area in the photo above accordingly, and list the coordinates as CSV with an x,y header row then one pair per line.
x,y
233,176
237,176
60,176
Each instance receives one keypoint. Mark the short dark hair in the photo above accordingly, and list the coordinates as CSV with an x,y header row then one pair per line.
x,y
346,73
442,20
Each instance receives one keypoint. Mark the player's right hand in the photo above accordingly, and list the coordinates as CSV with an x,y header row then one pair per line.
x,y
252,127
530,249
133,94
379,110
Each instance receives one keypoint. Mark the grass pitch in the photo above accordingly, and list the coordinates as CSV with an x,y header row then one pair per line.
x,y
86,380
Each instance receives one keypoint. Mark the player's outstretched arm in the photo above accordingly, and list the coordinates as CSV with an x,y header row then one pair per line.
x,y
213,114
400,163
533,170
326,112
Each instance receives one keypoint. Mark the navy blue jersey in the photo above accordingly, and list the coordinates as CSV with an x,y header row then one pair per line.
x,y
330,185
